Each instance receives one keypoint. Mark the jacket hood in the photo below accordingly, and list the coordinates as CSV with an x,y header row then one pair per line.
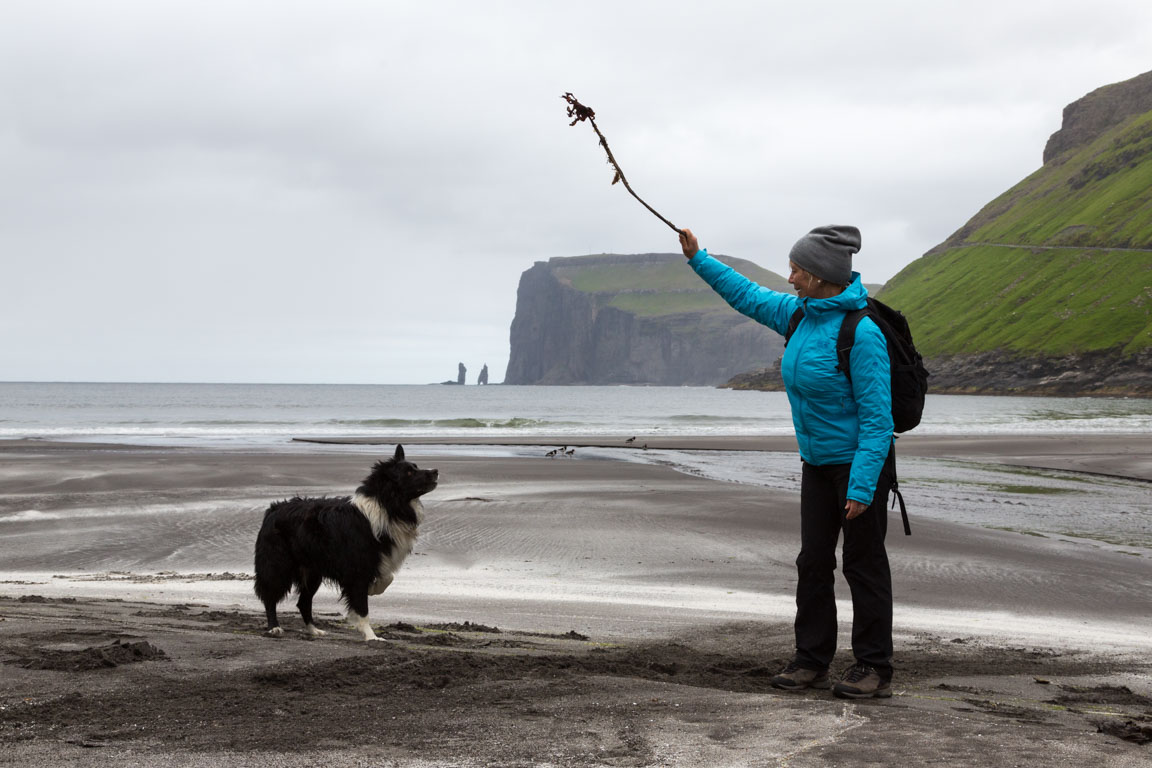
x,y
855,296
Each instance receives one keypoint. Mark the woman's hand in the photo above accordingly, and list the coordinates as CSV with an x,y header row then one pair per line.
x,y
689,243
854,508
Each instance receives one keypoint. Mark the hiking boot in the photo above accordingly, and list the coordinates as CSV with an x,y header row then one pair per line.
x,y
862,681
797,678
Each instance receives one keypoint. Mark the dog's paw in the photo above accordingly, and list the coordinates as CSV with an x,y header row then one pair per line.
x,y
373,639
275,632
311,630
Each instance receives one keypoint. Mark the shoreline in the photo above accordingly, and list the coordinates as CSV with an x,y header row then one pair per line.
x,y
569,613
1127,456
1119,455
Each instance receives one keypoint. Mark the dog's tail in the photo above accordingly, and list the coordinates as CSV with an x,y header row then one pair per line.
x,y
272,559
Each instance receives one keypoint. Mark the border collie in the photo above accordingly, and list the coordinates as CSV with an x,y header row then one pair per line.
x,y
357,543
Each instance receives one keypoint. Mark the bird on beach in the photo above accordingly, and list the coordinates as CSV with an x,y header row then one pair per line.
x,y
631,440
570,453
552,453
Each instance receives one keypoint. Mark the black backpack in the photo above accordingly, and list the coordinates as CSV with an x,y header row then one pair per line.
x,y
909,376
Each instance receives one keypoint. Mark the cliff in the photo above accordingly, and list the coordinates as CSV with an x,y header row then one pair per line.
x,y
632,319
1048,288
1085,119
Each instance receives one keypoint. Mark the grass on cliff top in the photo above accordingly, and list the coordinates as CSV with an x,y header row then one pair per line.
x,y
1040,302
659,288
658,304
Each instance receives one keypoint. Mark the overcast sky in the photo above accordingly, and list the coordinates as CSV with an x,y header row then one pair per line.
x,y
349,191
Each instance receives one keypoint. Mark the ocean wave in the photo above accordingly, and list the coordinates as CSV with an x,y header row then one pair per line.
x,y
1103,415
1071,425
705,418
273,414
234,423
454,423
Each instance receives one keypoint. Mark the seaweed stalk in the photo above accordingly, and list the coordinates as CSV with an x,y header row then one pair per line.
x,y
579,113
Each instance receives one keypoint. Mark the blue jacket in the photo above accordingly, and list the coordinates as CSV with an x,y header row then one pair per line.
x,y
836,421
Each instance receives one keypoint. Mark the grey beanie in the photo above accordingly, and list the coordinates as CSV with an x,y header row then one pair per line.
x,y
826,252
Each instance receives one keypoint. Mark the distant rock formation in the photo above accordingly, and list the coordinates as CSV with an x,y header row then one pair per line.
x,y
632,319
483,379
1090,116
1094,374
998,373
761,379
461,372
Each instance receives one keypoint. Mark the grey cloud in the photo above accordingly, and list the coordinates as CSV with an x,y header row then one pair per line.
x,y
181,175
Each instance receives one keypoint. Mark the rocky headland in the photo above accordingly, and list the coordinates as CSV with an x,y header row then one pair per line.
x,y
631,319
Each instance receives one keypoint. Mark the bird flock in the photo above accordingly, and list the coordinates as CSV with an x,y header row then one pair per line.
x,y
566,452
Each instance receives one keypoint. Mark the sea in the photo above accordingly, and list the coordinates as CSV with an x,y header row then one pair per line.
x,y
267,415
1111,511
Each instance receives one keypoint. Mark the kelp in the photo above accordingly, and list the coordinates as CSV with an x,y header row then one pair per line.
x,y
581,113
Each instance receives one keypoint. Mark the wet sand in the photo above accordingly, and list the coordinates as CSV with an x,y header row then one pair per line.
x,y
1127,456
640,613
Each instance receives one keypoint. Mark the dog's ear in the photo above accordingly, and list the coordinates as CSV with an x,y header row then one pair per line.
x,y
399,453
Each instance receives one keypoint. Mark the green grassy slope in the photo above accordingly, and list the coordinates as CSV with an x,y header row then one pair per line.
x,y
1059,264
974,299
657,288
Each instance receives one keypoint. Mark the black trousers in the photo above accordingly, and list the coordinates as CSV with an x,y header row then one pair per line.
x,y
823,494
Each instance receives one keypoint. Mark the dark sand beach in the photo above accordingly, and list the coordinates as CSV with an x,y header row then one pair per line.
x,y
569,613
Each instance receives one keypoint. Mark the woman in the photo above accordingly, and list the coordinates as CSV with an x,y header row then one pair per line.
x,y
844,431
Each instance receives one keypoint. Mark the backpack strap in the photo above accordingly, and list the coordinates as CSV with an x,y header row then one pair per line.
x,y
894,490
846,338
793,322
899,497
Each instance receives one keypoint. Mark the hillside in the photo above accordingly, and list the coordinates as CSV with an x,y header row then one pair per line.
x,y
632,319
1048,289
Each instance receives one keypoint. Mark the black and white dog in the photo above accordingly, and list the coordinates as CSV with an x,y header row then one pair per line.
x,y
357,543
